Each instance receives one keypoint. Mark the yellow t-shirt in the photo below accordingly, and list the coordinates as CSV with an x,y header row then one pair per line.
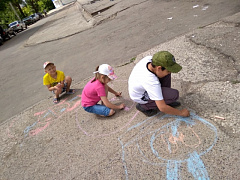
x,y
49,80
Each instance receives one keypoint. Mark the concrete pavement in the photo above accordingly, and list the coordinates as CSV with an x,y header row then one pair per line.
x,y
77,17
62,141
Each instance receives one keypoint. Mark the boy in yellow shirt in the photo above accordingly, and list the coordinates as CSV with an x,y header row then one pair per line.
x,y
56,81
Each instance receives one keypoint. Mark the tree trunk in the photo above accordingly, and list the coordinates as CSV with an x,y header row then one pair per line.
x,y
20,10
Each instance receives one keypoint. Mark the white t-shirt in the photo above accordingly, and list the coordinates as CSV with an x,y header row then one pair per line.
x,y
144,85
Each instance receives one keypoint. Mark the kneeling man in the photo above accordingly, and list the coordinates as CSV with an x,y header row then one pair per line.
x,y
149,85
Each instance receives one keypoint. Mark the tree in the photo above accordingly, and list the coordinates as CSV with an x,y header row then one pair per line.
x,y
3,4
45,4
16,4
33,4
7,15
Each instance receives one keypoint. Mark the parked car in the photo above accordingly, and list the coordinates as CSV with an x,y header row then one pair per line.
x,y
35,17
8,30
40,15
28,20
1,40
4,34
18,26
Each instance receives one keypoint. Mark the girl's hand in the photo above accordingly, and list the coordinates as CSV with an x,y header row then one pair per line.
x,y
121,106
118,94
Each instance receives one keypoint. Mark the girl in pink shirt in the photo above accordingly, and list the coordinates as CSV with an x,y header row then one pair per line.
x,y
97,89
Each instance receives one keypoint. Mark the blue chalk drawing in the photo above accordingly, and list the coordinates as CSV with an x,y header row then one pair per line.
x,y
195,165
28,128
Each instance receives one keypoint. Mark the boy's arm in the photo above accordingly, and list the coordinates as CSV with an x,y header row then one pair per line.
x,y
114,92
50,88
59,85
163,107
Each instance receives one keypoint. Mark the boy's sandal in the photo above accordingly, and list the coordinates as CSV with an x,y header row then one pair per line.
x,y
56,100
71,91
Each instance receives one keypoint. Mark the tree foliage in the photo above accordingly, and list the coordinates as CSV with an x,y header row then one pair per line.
x,y
3,4
23,9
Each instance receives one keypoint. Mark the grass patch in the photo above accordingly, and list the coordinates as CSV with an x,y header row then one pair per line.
x,y
131,60
235,82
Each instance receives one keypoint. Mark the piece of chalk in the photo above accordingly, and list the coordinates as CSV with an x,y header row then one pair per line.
x,y
219,117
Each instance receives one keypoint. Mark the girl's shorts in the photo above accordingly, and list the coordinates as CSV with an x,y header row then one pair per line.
x,y
98,109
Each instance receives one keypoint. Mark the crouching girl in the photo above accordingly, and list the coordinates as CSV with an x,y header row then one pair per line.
x,y
97,89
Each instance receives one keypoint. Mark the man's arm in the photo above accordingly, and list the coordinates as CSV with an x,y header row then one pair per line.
x,y
163,107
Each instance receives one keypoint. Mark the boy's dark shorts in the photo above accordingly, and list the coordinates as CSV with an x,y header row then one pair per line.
x,y
63,89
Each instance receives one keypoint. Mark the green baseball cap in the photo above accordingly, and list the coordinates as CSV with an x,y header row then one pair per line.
x,y
166,60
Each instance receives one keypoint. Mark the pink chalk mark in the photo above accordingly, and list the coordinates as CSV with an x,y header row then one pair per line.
x,y
126,108
74,106
113,99
9,134
9,131
174,140
38,130
48,119
61,102
39,113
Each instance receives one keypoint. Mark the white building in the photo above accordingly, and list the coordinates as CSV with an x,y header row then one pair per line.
x,y
59,3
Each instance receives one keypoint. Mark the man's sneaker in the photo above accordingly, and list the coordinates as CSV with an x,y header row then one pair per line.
x,y
175,104
149,112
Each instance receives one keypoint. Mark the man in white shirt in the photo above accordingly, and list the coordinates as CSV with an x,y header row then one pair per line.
x,y
149,85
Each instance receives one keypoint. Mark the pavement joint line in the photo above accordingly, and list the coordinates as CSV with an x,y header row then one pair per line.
x,y
213,49
83,12
115,14
72,34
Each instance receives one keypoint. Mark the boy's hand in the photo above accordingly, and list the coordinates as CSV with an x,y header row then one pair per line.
x,y
185,113
118,94
121,106
59,85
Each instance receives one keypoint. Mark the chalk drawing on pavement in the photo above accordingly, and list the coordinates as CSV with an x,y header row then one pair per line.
x,y
43,119
110,125
168,142
106,126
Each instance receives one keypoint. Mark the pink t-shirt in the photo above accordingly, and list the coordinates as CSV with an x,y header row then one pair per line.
x,y
92,93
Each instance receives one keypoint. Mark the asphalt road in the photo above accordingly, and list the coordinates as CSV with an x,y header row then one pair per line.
x,y
132,31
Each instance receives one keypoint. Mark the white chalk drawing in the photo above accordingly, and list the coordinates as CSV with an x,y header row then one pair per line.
x,y
169,142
